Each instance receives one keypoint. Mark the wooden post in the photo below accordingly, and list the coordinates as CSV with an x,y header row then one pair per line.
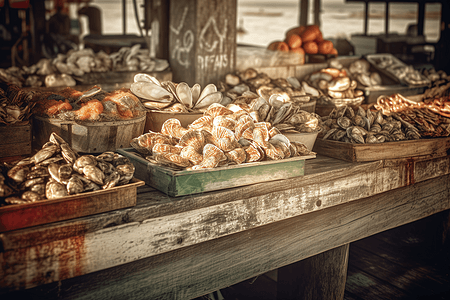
x,y
159,46
420,18
304,12
321,276
386,17
366,18
317,8
202,40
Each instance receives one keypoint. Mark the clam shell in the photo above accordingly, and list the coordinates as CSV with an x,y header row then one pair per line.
x,y
224,122
284,110
142,77
165,148
224,138
184,94
274,152
151,91
209,99
195,90
172,159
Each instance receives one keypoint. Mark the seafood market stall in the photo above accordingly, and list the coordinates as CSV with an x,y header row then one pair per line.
x,y
185,247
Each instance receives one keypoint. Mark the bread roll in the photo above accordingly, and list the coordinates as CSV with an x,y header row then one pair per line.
x,y
311,47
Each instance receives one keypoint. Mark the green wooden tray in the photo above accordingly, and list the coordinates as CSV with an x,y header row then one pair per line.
x,y
185,182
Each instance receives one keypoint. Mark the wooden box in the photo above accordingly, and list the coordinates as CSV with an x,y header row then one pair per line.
x,y
178,183
15,140
433,147
18,216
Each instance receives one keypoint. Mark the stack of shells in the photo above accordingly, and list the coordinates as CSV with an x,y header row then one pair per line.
x,y
278,101
15,104
304,39
220,137
56,171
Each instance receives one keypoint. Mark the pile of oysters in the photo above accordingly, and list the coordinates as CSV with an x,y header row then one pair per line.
x,y
15,105
57,171
365,126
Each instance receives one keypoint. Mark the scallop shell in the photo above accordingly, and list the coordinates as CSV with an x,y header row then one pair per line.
x,y
165,148
192,155
301,148
172,159
202,122
172,127
274,152
237,155
274,131
241,127
151,91
253,153
224,122
224,138
261,137
217,109
212,155
194,138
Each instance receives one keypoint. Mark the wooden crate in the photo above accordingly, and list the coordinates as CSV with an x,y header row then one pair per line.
x,y
18,216
15,140
433,147
185,182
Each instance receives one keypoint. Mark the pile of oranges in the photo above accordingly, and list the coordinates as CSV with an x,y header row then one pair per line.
x,y
304,39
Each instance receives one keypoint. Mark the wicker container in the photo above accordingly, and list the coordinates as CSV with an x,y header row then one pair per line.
x,y
89,137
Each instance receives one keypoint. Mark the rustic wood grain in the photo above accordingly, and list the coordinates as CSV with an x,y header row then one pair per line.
x,y
202,40
436,147
321,276
202,268
160,224
15,140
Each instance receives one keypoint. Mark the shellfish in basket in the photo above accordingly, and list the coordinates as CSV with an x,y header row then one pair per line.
x,y
57,171
223,136
163,95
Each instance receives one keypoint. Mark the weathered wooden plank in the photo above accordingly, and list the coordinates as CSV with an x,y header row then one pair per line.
x,y
15,140
321,276
437,147
202,40
151,230
202,268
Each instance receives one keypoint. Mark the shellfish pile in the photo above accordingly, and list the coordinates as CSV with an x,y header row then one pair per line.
x,y
439,87
431,119
360,71
365,126
15,104
62,70
90,105
261,84
57,171
220,137
335,84
176,97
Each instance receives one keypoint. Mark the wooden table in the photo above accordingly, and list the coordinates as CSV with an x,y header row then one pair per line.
x,y
182,248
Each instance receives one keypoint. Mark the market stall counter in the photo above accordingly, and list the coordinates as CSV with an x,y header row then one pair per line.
x,y
189,246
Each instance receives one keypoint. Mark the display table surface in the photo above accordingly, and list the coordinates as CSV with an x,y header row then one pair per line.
x,y
185,247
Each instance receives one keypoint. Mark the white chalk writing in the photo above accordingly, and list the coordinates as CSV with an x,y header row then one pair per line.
x,y
181,51
210,46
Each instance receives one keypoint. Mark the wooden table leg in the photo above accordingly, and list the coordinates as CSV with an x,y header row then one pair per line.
x,y
321,276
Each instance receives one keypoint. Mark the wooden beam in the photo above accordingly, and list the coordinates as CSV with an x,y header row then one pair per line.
x,y
420,18
386,19
366,18
159,46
